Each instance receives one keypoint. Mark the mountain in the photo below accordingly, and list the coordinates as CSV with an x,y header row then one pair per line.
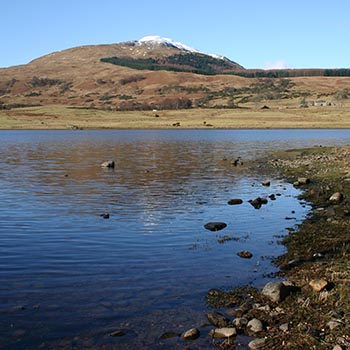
x,y
185,59
153,73
145,73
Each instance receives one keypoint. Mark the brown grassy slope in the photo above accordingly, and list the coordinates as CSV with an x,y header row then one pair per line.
x,y
91,79
85,81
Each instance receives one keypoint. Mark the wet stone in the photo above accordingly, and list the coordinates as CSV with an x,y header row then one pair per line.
x,y
217,319
245,254
105,215
118,333
235,201
240,322
225,332
215,226
191,334
108,164
168,335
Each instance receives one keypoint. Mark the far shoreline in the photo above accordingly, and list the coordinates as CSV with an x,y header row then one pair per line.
x,y
70,118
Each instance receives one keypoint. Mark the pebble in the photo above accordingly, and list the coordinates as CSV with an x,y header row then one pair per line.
x,y
245,254
257,343
337,347
318,284
333,324
226,332
284,327
119,333
168,335
336,197
255,325
217,319
275,291
240,322
235,201
303,180
215,226
108,164
191,334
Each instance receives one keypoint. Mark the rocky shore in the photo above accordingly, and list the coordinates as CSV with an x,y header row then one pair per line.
x,y
308,307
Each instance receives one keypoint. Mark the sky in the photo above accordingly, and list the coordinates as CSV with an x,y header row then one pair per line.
x,y
254,33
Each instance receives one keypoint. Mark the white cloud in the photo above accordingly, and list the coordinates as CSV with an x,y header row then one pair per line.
x,y
280,64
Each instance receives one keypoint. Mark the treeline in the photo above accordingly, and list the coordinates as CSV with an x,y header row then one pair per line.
x,y
189,62
290,73
208,65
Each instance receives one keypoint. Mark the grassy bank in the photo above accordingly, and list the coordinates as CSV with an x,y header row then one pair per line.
x,y
58,117
319,250
316,266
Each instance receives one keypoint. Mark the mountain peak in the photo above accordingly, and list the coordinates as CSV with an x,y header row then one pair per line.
x,y
154,40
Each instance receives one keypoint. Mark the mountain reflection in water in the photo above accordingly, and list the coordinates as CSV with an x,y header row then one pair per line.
x,y
69,277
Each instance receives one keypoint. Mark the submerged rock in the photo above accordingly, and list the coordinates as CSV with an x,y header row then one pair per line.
x,y
118,333
168,335
215,226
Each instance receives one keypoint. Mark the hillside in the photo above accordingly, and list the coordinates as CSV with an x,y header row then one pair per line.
x,y
171,76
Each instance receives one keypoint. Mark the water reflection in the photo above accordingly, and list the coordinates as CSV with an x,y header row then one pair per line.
x,y
70,277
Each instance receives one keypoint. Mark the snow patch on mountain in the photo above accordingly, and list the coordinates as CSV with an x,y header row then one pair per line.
x,y
158,40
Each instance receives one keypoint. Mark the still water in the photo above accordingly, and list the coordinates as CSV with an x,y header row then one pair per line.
x,y
69,278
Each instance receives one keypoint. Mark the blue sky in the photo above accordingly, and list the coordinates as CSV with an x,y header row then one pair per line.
x,y
254,33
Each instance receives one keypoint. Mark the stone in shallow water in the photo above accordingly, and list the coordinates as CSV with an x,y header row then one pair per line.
x,y
217,319
225,332
245,254
191,334
215,226
118,333
235,201
108,164
168,335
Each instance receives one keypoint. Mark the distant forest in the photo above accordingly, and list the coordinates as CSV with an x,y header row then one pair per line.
x,y
189,62
290,73
208,65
